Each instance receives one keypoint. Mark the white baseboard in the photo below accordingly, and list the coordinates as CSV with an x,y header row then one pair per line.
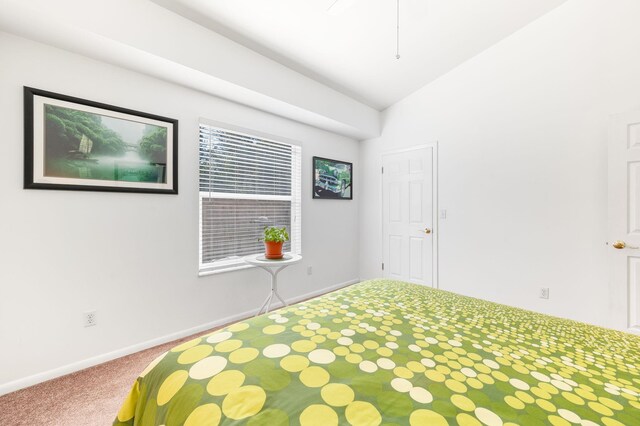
x,y
34,379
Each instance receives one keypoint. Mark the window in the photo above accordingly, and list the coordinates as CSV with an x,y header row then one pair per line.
x,y
246,183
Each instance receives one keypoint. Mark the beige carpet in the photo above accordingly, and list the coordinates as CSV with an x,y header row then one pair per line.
x,y
88,397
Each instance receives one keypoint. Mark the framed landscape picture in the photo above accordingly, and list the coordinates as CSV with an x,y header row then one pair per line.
x,y
76,144
332,179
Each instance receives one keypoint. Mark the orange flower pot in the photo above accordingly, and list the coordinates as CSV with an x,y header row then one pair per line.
x,y
272,250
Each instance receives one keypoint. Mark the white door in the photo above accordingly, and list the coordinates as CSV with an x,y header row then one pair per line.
x,y
624,219
408,202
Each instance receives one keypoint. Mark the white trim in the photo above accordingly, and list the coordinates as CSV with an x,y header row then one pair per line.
x,y
436,215
295,199
237,196
34,379
222,266
219,125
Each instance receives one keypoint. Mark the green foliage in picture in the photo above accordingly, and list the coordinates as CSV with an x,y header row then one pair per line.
x,y
65,128
154,144
275,234
80,144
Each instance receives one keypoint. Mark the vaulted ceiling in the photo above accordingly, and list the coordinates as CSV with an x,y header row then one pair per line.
x,y
352,46
335,70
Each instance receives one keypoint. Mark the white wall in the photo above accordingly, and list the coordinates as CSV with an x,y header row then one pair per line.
x,y
523,153
132,257
143,36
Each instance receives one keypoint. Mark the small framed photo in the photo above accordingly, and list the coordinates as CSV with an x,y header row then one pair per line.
x,y
76,144
332,179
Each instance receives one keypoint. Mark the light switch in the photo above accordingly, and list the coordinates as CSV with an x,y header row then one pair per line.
x,y
443,214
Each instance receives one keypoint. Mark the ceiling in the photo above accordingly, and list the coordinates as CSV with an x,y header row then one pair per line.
x,y
353,51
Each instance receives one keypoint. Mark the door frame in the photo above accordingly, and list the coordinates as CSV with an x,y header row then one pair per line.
x,y
623,290
434,194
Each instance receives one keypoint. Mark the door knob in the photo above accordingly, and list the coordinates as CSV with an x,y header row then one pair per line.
x,y
621,245
427,230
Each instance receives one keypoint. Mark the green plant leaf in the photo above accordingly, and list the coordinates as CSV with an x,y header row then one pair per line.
x,y
275,234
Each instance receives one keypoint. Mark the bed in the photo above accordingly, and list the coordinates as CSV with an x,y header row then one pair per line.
x,y
393,353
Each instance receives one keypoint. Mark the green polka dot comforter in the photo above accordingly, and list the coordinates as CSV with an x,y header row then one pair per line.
x,y
392,353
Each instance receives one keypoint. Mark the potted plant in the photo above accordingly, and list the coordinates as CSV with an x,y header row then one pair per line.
x,y
273,238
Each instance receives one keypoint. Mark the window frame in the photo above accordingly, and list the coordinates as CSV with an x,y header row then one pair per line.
x,y
231,265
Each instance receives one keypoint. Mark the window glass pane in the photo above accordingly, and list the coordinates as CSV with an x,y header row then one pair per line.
x,y
245,183
244,165
233,228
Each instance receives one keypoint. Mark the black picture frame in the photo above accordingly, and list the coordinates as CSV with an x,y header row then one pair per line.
x,y
332,179
60,154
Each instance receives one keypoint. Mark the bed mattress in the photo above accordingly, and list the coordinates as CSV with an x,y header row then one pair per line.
x,y
393,353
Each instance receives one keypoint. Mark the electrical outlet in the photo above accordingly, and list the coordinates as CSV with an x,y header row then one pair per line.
x,y
90,319
309,270
544,293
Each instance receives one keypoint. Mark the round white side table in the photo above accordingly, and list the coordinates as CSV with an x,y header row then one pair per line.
x,y
272,266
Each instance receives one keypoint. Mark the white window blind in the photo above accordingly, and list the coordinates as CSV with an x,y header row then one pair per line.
x,y
246,183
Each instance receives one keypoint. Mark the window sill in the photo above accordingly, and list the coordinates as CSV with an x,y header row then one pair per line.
x,y
230,266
